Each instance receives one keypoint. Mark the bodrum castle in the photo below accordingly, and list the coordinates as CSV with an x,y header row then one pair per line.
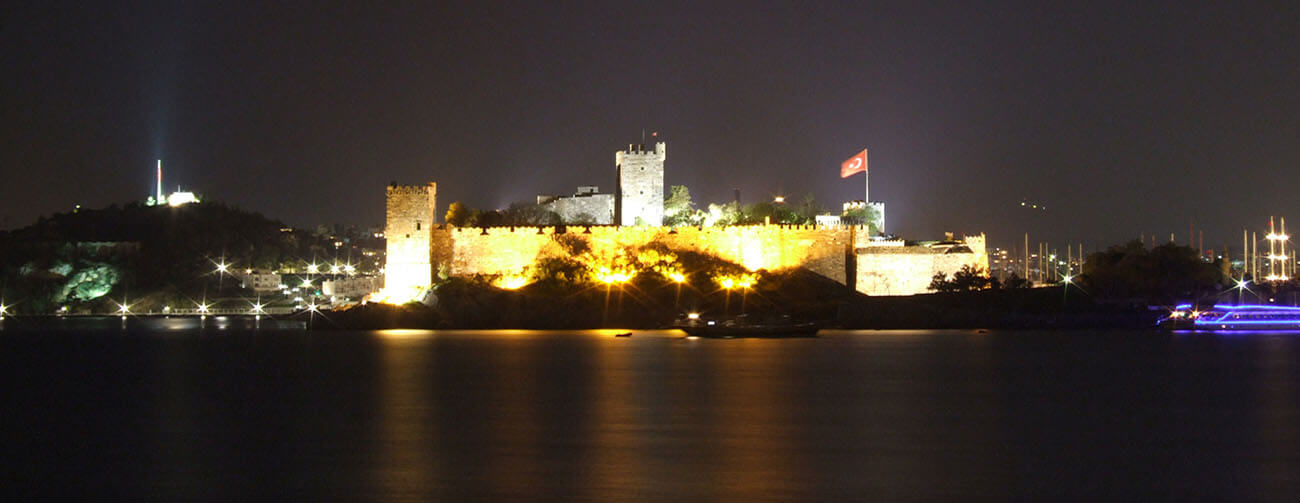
x,y
620,228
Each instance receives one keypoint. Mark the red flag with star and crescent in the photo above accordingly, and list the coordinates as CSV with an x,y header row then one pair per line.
x,y
856,164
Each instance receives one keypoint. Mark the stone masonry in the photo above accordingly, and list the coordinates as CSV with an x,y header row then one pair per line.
x,y
640,197
585,207
410,217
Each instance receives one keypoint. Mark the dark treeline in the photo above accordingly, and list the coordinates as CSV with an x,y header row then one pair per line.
x,y
136,249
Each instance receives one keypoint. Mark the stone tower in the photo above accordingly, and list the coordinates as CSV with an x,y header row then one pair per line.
x,y
409,231
640,196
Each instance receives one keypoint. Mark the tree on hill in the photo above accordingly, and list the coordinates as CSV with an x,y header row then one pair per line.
x,y
679,210
1166,273
457,214
969,278
809,208
865,215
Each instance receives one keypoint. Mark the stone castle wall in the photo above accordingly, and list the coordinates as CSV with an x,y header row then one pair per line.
x,y
411,210
588,208
509,251
909,270
877,268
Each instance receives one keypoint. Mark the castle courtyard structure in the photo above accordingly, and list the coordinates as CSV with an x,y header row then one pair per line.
x,y
420,250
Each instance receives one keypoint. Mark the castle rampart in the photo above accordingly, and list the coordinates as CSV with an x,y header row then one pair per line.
x,y
842,253
511,250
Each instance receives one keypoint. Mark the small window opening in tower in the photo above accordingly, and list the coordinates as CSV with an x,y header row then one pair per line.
x,y
417,226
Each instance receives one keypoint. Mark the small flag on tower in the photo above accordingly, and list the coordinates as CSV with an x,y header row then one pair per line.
x,y
854,165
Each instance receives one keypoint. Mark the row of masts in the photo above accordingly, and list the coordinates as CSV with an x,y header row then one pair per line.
x,y
1043,264
1280,262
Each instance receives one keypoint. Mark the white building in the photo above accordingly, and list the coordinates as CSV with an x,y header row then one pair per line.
x,y
259,281
353,288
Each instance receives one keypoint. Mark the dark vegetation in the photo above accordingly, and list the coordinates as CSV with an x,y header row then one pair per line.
x,y
157,254
649,301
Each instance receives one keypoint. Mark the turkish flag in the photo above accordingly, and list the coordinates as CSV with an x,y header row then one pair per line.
x,y
856,164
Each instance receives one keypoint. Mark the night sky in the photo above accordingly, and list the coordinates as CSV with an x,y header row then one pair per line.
x,y
1120,118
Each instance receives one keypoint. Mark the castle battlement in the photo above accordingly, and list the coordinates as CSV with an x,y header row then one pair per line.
x,y
589,229
410,189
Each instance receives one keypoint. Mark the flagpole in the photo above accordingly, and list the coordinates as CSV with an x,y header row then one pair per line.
x,y
866,177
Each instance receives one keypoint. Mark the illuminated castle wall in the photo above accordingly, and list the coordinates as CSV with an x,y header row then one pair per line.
x,y
878,268
890,268
640,196
409,232
511,251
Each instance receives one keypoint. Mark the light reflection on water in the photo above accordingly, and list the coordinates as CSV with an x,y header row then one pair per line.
x,y
510,415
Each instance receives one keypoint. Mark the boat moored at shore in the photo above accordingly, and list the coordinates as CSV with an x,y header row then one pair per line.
x,y
1232,317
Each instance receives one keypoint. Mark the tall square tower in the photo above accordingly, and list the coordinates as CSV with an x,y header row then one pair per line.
x,y
640,196
409,232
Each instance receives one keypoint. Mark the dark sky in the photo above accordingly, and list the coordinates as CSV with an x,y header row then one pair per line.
x,y
1121,117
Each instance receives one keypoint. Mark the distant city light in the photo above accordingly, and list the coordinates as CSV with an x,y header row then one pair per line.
x,y
223,267
778,199
203,308
313,268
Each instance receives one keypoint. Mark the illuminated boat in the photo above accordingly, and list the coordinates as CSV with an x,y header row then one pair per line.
x,y
745,326
1233,317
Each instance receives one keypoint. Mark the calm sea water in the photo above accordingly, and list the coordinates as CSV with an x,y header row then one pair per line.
x,y
564,416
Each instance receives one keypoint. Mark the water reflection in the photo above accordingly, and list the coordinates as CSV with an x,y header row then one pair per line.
x,y
422,415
